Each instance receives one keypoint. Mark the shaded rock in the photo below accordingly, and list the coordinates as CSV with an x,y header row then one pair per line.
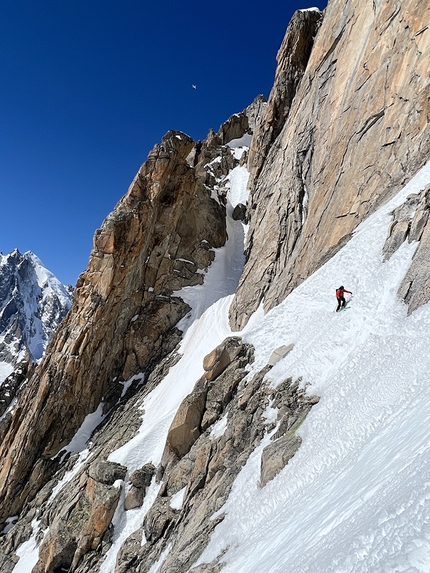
x,y
415,287
78,528
279,353
8,562
143,476
400,227
214,567
158,518
185,427
239,213
10,386
107,472
134,497
140,480
275,456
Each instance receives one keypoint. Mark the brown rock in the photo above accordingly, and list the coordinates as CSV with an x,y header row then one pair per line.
x,y
134,497
357,130
276,456
185,427
223,355
78,528
123,315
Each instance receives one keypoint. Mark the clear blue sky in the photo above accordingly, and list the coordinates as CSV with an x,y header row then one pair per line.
x,y
87,89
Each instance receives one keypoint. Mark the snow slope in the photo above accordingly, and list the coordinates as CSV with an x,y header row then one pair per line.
x,y
355,498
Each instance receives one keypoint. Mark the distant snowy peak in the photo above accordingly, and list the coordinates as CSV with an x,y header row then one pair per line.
x,y
32,304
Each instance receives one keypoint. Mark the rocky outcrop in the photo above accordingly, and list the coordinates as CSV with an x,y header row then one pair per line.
x,y
411,223
9,390
139,480
230,424
159,238
293,406
82,518
357,129
223,355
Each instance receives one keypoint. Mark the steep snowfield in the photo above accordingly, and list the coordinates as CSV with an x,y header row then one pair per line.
x,y
355,498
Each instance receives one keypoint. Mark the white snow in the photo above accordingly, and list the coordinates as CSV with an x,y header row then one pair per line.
x,y
356,496
28,552
177,500
244,141
5,370
219,427
80,439
314,9
83,457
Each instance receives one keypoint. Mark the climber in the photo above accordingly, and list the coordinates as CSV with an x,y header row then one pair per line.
x,y
341,302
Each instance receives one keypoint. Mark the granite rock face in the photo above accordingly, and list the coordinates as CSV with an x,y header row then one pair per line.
x,y
345,126
356,131
159,238
292,59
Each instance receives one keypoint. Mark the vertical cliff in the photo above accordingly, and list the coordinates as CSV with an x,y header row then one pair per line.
x,y
159,238
356,130
346,124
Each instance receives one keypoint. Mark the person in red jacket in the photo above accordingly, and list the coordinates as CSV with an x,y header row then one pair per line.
x,y
341,302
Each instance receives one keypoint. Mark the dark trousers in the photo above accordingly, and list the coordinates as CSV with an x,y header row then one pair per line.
x,y
341,302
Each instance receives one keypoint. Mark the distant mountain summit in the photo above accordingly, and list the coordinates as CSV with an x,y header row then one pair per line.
x,y
32,304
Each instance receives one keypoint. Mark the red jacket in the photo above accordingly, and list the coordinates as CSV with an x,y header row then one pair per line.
x,y
339,292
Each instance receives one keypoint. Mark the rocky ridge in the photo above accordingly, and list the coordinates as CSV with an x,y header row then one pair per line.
x,y
120,339
159,239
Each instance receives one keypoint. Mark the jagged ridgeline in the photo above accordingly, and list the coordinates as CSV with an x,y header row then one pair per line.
x,y
345,126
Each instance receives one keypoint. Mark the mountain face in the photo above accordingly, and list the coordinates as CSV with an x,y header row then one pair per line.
x,y
202,407
348,135
32,304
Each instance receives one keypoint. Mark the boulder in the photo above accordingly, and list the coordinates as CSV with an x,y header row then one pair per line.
x,y
279,353
107,472
276,456
223,355
185,427
140,480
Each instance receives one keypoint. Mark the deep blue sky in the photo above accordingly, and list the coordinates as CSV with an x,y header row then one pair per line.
x,y
87,89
